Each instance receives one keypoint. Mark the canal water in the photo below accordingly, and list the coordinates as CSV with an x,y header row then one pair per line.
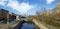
x,y
28,26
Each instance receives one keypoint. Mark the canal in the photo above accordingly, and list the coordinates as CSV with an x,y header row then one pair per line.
x,y
25,24
28,26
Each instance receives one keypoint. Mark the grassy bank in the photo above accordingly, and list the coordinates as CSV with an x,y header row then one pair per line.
x,y
51,24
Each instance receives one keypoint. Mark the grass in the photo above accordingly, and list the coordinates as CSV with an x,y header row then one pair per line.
x,y
50,22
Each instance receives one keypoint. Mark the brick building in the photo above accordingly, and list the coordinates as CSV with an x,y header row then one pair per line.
x,y
5,15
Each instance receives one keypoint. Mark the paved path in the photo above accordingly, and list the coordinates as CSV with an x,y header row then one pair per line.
x,y
41,26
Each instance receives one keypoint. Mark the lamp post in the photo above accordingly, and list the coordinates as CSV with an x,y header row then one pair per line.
x,y
8,19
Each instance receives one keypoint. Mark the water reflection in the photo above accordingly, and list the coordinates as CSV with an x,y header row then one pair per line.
x,y
28,26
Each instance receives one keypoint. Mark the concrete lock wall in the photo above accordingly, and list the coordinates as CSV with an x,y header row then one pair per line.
x,y
37,23
17,17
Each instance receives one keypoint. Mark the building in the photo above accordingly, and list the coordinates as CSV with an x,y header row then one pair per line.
x,y
5,15
18,17
11,16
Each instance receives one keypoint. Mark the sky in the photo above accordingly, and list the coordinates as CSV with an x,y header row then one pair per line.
x,y
27,6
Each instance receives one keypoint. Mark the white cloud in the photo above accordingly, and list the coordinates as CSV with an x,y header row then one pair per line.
x,y
3,2
49,1
21,7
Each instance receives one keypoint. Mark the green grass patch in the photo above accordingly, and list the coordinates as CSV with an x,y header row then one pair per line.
x,y
50,22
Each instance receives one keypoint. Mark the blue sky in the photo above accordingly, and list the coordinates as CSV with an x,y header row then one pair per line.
x,y
27,6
